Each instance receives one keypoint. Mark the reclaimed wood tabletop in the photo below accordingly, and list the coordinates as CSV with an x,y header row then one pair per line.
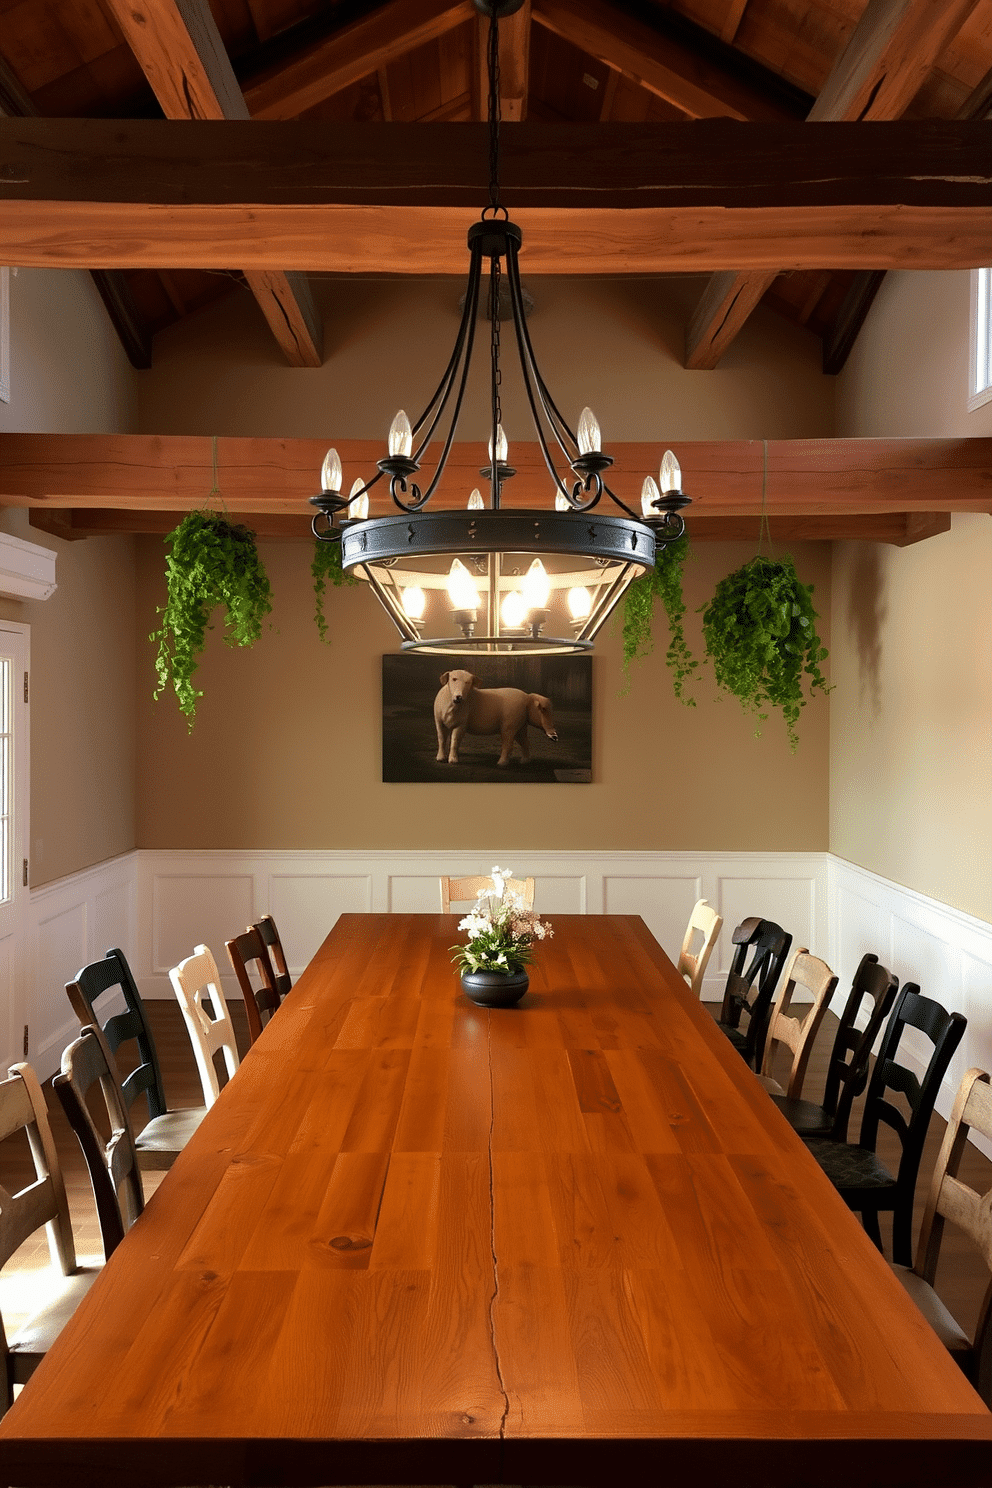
x,y
418,1241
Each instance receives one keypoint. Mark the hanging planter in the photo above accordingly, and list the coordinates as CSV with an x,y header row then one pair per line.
x,y
326,569
212,563
760,633
664,583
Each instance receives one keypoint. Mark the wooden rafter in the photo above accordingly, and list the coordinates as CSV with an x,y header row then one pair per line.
x,y
346,198
514,65
887,57
181,53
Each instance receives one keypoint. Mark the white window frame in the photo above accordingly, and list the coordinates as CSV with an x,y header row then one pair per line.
x,y
980,340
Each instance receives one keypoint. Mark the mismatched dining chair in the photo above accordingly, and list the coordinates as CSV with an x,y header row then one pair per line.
x,y
467,890
872,994
859,1175
42,1202
952,1200
266,928
112,1160
707,924
762,947
196,982
167,1131
251,965
797,1032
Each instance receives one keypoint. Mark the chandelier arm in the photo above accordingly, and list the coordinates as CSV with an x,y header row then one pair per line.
x,y
525,369
467,328
473,301
554,415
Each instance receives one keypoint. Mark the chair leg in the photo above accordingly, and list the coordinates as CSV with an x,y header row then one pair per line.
x,y
869,1218
902,1234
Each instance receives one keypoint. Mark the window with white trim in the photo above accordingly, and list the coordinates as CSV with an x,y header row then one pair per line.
x,y
980,372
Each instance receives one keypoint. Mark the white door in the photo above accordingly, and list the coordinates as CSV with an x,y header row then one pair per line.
x,y
14,798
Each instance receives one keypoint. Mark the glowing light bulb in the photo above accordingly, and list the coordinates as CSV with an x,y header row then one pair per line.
x,y
502,448
358,506
330,471
670,477
562,503
590,440
461,590
513,610
649,495
414,602
401,436
475,501
536,586
579,603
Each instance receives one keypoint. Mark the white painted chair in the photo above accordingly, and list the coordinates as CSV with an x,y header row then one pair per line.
x,y
705,922
797,1033
467,890
194,980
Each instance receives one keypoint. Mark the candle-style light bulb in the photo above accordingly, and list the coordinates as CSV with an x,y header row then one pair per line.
x,y
649,495
588,436
579,603
330,472
502,447
671,473
358,506
401,436
475,501
562,503
461,590
414,602
536,586
513,609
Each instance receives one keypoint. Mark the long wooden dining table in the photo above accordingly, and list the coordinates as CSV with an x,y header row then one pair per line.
x,y
417,1241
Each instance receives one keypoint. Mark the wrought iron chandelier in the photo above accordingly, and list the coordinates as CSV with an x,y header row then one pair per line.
x,y
482,577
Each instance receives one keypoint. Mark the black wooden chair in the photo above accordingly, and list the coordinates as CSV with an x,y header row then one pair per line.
x,y
873,990
112,1161
751,985
249,958
266,928
858,1174
167,1131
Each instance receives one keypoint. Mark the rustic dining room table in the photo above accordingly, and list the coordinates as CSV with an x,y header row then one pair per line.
x,y
569,1242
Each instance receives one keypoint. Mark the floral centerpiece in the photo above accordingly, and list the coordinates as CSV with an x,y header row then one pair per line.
x,y
502,932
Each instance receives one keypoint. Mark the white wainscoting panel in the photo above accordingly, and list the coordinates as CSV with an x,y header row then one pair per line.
x,y
198,908
301,903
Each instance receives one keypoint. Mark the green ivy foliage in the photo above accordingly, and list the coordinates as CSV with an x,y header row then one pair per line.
x,y
211,563
664,583
761,637
326,569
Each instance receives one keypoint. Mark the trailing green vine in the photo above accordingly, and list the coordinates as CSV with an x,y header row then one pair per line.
x,y
664,583
326,568
761,637
212,563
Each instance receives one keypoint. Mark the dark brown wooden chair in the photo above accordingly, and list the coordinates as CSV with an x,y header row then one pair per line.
x,y
266,928
253,969
762,947
873,992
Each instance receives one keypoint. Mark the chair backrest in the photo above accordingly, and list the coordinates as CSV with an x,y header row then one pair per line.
x,y
706,923
874,986
944,1031
753,979
90,983
266,928
809,974
112,1161
195,980
249,958
467,890
950,1199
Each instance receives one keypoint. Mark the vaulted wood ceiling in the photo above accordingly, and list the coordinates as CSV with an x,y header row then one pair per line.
x,y
772,63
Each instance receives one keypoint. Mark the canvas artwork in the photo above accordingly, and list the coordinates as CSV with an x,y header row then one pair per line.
x,y
488,719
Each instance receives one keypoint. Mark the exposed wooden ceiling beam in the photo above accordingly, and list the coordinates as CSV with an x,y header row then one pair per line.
x,y
181,53
645,198
887,57
811,478
514,65
352,53
850,318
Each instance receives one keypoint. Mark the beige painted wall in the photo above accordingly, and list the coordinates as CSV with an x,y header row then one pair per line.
x,y
911,736
292,728
69,374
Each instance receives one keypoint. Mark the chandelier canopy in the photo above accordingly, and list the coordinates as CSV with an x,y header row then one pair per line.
x,y
481,577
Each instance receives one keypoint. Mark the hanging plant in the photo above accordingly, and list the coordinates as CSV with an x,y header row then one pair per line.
x,y
664,583
760,633
212,563
326,569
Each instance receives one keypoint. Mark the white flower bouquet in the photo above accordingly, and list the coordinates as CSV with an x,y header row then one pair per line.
x,y
501,930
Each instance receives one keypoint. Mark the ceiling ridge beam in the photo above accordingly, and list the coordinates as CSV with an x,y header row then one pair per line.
x,y
182,54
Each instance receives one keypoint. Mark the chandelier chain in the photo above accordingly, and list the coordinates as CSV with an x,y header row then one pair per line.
x,y
494,110
497,374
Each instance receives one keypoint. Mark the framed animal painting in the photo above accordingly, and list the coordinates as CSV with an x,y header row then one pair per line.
x,y
487,719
